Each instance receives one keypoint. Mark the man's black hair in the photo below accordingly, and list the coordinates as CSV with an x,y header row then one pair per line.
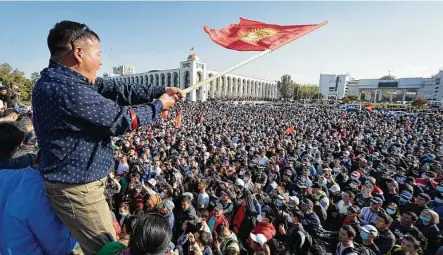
x,y
151,235
66,32
386,217
412,214
317,249
205,237
425,196
12,134
349,230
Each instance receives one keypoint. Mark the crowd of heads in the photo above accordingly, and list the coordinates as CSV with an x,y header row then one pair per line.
x,y
231,180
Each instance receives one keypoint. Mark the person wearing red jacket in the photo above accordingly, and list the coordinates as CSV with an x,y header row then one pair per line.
x,y
239,216
264,226
217,218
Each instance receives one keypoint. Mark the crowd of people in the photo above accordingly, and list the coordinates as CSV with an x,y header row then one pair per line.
x,y
229,181
113,178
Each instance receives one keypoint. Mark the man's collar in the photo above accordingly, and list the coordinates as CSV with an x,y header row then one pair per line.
x,y
65,70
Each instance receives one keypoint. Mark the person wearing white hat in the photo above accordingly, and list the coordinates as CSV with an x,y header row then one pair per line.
x,y
259,244
368,233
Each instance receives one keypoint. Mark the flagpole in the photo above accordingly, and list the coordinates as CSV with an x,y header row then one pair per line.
x,y
261,54
212,78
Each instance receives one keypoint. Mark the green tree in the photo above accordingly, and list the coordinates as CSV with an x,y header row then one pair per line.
x,y
346,100
352,97
10,76
34,77
286,87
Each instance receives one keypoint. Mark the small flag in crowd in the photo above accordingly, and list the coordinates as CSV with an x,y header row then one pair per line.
x,y
202,118
343,114
288,131
370,108
250,35
178,119
164,114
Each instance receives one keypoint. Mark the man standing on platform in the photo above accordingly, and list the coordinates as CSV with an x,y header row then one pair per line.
x,y
75,114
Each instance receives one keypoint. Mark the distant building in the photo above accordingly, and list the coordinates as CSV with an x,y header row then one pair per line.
x,y
388,88
123,70
192,71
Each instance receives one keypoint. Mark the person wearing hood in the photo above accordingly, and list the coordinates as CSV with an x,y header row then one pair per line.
x,y
427,224
368,234
166,209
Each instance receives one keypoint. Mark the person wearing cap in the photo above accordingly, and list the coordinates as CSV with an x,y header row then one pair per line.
x,y
228,205
310,221
368,234
258,244
319,195
217,218
404,200
165,209
369,214
352,218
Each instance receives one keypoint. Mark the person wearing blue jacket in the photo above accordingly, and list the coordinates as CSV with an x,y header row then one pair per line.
x,y
28,224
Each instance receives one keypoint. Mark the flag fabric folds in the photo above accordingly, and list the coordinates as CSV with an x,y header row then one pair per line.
x,y
178,119
250,35
288,131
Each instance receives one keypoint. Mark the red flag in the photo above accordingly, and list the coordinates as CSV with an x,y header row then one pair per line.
x,y
288,131
164,114
343,114
370,108
178,119
250,35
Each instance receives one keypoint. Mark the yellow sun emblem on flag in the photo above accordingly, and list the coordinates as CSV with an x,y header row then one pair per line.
x,y
256,34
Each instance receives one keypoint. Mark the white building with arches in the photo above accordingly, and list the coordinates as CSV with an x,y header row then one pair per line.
x,y
191,71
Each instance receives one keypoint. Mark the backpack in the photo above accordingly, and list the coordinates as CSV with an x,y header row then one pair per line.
x,y
308,240
359,249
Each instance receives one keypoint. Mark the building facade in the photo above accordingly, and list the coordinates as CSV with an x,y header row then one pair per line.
x,y
192,71
386,89
123,70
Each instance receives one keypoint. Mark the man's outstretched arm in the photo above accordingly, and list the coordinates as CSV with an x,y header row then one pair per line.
x,y
131,93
